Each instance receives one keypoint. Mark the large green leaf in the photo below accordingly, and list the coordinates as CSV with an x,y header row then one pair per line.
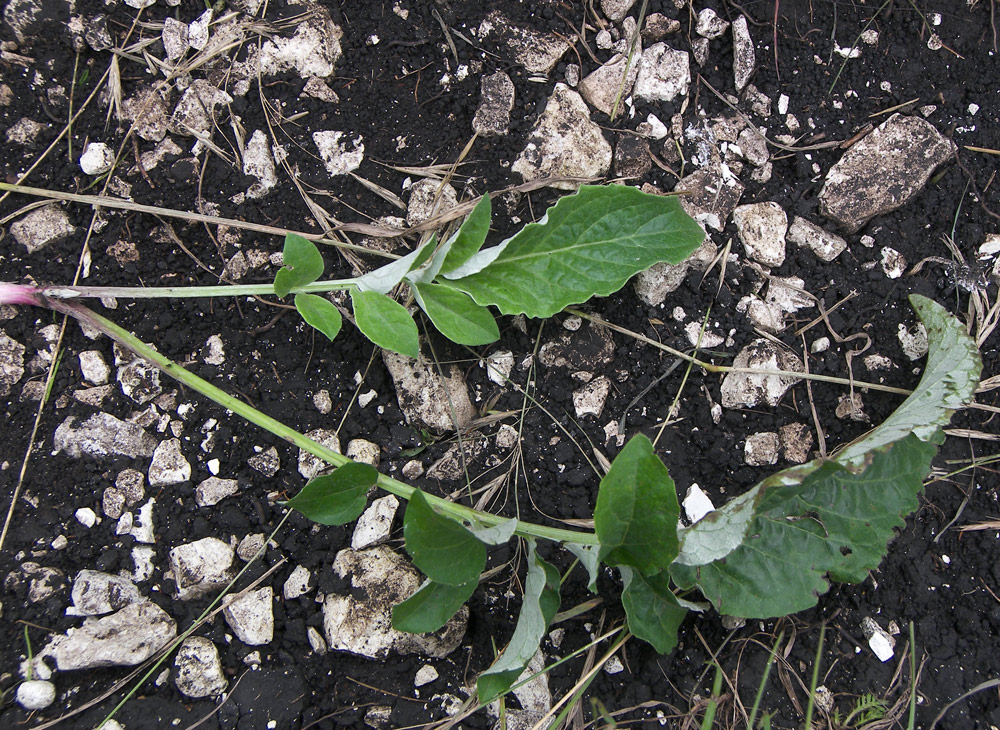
x,y
456,316
834,525
636,513
320,313
653,613
442,548
538,607
303,265
589,244
386,322
431,606
337,498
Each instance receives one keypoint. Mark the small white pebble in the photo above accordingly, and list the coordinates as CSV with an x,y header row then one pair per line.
x,y
86,517
973,109
36,694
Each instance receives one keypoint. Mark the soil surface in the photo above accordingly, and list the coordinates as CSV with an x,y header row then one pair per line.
x,y
407,83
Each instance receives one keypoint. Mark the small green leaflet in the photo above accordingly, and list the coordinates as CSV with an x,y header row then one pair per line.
x,y
303,265
431,606
653,613
470,237
589,557
636,513
589,244
441,547
836,523
337,498
456,316
496,534
386,322
539,605
320,313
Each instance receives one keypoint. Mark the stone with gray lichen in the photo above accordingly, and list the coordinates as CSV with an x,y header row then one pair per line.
x,y
198,670
427,399
102,435
750,389
663,74
610,84
11,362
251,616
744,57
200,567
95,593
883,171
496,93
762,228
213,490
564,142
125,638
42,227
168,466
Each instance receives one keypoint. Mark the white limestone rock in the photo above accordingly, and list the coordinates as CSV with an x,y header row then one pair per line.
x,y
883,171
297,584
428,199
123,639
537,52
258,163
267,462
213,490
340,154
711,196
364,451
312,51
35,694
102,435
42,227
696,504
564,142
198,670
195,113
200,567
498,366
750,389
603,86
589,400
97,159
761,449
168,466
425,397
913,341
827,246
710,25
361,622
375,523
663,74
655,283
139,381
311,466
92,367
251,616
744,57
762,228
11,362
615,10
95,593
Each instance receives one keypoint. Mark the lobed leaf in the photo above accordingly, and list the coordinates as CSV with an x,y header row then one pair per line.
x,y
442,548
320,313
386,322
637,510
431,606
303,265
337,498
538,607
834,525
653,612
588,244
456,316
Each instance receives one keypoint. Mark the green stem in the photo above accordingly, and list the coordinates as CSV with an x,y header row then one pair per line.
x,y
185,292
279,429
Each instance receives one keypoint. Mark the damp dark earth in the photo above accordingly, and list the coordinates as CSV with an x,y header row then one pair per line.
x,y
840,156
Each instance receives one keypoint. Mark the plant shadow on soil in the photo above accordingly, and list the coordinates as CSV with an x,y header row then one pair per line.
x,y
945,581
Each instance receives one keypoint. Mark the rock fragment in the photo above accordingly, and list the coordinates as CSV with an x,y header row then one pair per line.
x,y
92,367
312,51
589,400
168,466
149,111
213,490
748,388
95,593
429,198
97,159
663,74
123,639
883,171
139,381
361,622
913,341
427,399
375,523
615,10
200,567
35,694
258,163
796,441
11,362
761,449
710,25
762,227
498,366
603,86
297,584
24,131
452,466
195,113
311,466
827,246
893,262
711,196
564,142
251,616
340,154
658,26
744,58
496,93
267,462
103,435
536,52
42,227
198,670
632,158
696,504
655,283
364,451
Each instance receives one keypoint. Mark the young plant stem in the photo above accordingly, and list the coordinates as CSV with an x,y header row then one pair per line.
x,y
186,292
258,418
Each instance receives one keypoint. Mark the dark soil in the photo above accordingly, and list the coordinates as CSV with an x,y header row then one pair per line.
x,y
943,580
